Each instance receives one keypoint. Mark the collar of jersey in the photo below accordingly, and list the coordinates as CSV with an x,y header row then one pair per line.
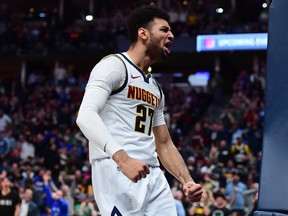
x,y
145,77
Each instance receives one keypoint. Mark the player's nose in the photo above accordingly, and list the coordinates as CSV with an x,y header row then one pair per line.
x,y
170,35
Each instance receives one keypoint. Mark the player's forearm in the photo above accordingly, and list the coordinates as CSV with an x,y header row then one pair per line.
x,y
169,155
174,163
95,131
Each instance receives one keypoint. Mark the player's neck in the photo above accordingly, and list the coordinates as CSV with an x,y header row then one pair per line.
x,y
139,59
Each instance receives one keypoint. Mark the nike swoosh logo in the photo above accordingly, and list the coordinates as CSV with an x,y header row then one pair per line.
x,y
134,77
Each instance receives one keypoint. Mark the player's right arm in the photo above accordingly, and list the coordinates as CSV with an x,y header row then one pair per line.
x,y
105,77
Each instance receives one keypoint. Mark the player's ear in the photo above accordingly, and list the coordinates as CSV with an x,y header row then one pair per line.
x,y
143,33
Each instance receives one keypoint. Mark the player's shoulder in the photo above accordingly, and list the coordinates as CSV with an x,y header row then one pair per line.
x,y
112,58
109,62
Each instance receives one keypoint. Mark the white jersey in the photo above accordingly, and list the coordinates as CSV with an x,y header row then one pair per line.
x,y
131,112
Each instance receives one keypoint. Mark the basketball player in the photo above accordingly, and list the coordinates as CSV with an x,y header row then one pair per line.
x,y
121,115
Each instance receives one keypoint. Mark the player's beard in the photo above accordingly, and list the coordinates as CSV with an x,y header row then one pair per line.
x,y
154,51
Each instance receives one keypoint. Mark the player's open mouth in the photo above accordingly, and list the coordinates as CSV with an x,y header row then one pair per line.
x,y
167,47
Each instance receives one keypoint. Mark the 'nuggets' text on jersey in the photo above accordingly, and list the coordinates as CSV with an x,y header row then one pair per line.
x,y
137,93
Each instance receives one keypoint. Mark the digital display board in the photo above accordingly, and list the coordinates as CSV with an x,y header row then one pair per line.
x,y
222,42
200,78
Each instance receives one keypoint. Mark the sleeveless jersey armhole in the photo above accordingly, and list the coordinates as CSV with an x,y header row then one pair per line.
x,y
126,77
161,93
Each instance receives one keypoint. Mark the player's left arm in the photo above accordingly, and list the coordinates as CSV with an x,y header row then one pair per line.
x,y
170,157
173,162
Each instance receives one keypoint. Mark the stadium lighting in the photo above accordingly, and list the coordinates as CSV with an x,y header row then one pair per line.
x,y
42,14
264,5
219,10
149,69
185,3
89,18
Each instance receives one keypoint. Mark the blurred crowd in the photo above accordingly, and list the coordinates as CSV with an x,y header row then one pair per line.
x,y
27,30
44,163
41,148
222,146
219,135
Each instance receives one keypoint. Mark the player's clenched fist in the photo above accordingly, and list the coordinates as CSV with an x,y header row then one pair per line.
x,y
193,191
134,169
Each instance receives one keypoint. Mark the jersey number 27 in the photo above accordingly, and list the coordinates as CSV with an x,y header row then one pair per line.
x,y
144,119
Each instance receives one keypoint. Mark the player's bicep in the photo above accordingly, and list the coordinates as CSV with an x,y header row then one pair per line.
x,y
161,134
159,118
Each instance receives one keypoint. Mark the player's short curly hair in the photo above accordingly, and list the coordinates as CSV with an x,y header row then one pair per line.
x,y
142,17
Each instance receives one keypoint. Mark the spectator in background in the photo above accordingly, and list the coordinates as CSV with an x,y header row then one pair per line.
x,y
14,171
209,184
54,200
52,159
5,120
9,200
84,206
28,207
235,195
216,83
235,132
27,148
255,138
251,198
178,197
241,152
27,172
199,138
4,148
17,121
10,138
201,208
208,167
60,74
37,196
228,171
75,180
214,133
67,195
220,205
227,117
224,152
